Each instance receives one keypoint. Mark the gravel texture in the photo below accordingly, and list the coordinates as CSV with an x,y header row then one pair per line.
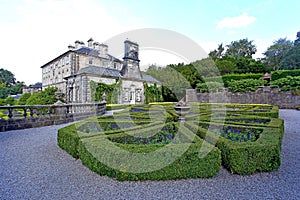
x,y
32,166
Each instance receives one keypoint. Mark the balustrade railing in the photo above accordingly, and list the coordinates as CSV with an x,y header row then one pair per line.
x,y
18,117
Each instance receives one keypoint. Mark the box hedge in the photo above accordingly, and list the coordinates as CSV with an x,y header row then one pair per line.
x,y
93,150
245,157
95,144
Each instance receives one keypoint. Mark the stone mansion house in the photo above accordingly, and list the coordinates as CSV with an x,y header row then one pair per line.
x,y
73,71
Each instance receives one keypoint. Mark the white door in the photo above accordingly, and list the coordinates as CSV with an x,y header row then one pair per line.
x,y
132,97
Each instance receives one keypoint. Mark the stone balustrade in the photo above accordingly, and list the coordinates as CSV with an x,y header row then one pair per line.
x,y
21,117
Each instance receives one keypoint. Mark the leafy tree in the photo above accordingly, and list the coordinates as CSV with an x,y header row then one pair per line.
x,y
292,58
217,53
23,98
43,98
10,101
297,41
189,72
276,53
206,67
226,66
174,83
241,48
17,88
7,77
4,92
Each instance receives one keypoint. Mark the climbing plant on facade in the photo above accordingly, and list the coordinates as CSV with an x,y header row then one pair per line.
x,y
152,93
111,91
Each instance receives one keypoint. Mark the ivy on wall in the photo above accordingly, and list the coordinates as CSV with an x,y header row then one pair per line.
x,y
152,93
112,91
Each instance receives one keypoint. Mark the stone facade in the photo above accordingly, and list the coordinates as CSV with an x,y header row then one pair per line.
x,y
263,95
73,71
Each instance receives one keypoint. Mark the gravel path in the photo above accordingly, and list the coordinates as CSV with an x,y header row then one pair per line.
x,y
32,166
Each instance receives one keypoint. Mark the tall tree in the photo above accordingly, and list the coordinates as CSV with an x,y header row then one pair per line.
x,y
217,53
241,48
174,83
7,77
292,58
275,54
297,41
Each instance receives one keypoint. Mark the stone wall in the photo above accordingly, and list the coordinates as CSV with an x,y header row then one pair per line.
x,y
46,115
263,95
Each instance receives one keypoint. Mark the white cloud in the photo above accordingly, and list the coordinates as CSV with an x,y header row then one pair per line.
x,y
243,20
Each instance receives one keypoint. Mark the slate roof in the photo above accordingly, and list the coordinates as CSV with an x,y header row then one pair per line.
x,y
101,71
94,52
36,85
107,72
149,78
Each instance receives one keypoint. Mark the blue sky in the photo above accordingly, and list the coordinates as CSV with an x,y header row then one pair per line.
x,y
36,31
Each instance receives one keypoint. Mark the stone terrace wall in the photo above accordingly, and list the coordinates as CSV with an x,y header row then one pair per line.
x,y
263,95
46,115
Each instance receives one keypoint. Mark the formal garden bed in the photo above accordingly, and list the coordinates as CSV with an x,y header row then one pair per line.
x,y
148,143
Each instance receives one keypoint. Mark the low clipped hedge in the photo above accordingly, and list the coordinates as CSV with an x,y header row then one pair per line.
x,y
93,150
95,141
245,157
68,137
188,165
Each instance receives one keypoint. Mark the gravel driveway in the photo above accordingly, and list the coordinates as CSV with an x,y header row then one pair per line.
x,y
32,166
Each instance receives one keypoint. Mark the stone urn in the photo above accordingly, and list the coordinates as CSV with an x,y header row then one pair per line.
x,y
181,108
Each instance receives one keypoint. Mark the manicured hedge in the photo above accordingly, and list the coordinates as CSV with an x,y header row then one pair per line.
x,y
96,139
93,150
68,140
245,157
233,77
284,73
188,165
68,137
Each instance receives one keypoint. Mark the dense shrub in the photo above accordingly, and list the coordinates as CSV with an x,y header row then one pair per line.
x,y
284,73
245,85
288,83
210,86
233,77
23,98
45,97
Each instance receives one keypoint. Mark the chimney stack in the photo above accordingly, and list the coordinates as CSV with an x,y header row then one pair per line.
x,y
77,44
90,43
71,47
96,45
